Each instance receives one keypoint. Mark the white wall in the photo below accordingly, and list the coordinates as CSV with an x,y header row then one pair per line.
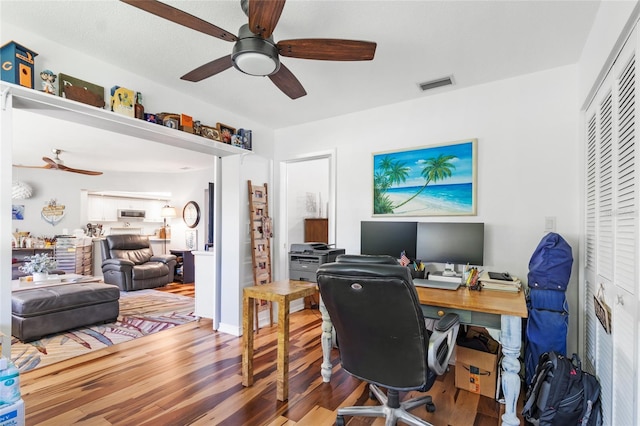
x,y
527,164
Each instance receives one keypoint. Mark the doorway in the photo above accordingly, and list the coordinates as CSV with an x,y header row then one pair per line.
x,y
309,192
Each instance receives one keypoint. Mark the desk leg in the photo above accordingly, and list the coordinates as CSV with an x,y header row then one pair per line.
x,y
327,327
282,379
510,337
248,304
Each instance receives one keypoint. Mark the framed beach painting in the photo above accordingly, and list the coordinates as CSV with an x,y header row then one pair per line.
x,y
438,180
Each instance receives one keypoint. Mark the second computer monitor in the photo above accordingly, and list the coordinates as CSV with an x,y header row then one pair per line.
x,y
451,242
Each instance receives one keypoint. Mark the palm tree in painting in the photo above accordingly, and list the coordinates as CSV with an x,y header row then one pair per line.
x,y
389,172
435,169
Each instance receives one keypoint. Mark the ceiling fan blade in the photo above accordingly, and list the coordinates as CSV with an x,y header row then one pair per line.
x,y
84,172
328,49
46,166
208,69
288,83
183,18
264,16
50,163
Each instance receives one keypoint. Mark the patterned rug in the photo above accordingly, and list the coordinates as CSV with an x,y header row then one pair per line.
x,y
141,313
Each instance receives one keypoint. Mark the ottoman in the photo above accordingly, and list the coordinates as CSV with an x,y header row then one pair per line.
x,y
41,311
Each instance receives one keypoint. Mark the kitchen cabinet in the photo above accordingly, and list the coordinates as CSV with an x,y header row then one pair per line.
x,y
102,209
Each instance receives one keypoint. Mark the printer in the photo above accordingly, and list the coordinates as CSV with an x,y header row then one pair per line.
x,y
305,258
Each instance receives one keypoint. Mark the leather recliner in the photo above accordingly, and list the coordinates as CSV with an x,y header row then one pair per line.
x,y
128,262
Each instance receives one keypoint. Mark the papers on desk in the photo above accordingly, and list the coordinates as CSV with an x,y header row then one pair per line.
x,y
487,283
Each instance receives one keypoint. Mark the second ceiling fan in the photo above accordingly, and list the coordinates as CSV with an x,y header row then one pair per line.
x,y
255,52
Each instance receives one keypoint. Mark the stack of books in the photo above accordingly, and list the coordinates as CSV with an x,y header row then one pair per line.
x,y
513,285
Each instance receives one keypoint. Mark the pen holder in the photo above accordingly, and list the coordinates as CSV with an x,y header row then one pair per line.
x,y
416,274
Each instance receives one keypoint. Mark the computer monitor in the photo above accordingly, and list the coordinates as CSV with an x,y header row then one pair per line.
x,y
390,238
456,243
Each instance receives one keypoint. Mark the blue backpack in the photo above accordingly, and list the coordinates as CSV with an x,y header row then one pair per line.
x,y
550,264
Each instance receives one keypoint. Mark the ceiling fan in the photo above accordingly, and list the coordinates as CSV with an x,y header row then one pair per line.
x,y
57,164
255,52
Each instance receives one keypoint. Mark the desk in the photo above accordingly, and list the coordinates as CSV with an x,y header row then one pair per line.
x,y
484,308
281,292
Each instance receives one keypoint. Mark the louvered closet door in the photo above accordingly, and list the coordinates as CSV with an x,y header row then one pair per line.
x,y
625,407
599,240
611,238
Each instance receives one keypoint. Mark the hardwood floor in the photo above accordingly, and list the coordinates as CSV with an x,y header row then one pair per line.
x,y
191,375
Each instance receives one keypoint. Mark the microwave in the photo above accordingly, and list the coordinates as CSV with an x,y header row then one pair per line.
x,y
129,214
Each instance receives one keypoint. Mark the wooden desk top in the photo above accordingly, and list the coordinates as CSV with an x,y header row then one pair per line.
x,y
277,290
493,302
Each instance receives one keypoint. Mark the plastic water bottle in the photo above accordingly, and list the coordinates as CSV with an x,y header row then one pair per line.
x,y
9,382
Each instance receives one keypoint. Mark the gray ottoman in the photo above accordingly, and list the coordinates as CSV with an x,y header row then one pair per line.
x,y
41,311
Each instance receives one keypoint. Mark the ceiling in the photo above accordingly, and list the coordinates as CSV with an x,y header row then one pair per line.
x,y
475,42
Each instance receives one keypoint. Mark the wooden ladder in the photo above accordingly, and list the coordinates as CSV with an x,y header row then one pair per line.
x,y
261,233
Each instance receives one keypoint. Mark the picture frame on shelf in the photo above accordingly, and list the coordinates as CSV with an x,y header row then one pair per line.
x,y
122,101
80,91
437,180
226,132
191,239
210,132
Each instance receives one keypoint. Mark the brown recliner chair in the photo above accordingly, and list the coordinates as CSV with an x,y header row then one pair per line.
x,y
128,262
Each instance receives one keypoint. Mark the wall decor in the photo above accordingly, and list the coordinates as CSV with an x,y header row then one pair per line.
x,y
191,214
191,239
17,64
226,132
53,212
122,101
80,90
17,212
48,82
438,180
210,132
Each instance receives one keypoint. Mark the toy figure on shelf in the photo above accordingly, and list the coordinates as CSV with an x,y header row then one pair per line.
x,y
48,78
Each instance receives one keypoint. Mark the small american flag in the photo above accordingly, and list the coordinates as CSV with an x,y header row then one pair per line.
x,y
404,260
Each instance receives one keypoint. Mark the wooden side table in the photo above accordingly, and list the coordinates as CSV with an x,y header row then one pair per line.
x,y
281,292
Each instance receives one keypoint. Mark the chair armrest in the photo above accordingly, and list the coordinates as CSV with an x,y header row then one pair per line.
x,y
118,262
118,265
164,258
442,342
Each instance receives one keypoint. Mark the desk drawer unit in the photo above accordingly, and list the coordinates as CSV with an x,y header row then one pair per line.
x,y
482,319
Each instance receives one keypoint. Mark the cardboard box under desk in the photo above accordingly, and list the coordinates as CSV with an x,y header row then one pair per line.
x,y
477,371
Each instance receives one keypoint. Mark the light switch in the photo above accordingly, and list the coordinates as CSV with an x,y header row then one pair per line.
x,y
550,224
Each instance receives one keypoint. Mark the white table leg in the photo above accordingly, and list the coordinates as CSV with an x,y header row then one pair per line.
x,y
510,337
325,369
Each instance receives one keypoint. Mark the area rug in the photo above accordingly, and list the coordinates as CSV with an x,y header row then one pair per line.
x,y
142,313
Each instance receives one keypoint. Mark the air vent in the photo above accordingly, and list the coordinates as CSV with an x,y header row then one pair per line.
x,y
446,81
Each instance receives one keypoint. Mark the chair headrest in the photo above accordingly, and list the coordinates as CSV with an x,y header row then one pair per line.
x,y
128,242
362,269
366,258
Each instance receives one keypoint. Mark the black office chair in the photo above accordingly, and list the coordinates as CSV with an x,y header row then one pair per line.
x,y
382,336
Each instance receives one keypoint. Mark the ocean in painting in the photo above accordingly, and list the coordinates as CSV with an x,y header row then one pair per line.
x,y
455,199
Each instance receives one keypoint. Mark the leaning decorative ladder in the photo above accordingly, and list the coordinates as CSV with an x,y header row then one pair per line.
x,y
261,233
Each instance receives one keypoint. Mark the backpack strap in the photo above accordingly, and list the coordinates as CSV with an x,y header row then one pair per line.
x,y
591,394
543,368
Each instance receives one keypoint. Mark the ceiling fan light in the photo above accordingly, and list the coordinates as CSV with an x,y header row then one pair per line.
x,y
254,63
254,55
